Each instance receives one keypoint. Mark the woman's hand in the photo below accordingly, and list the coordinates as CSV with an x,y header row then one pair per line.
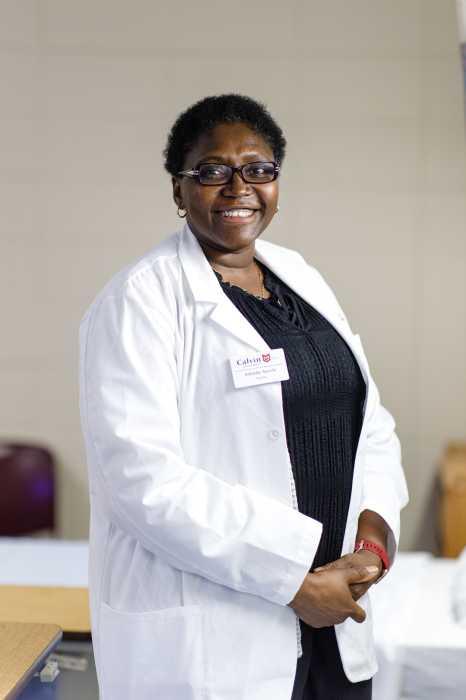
x,y
356,560
325,598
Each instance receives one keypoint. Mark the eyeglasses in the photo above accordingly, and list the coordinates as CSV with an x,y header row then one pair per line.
x,y
220,174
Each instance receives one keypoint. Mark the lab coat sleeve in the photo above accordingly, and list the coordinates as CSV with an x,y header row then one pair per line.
x,y
195,521
384,488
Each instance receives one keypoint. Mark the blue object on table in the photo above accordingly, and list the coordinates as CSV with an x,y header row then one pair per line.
x,y
69,685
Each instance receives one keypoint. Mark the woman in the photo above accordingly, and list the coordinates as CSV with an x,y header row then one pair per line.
x,y
245,480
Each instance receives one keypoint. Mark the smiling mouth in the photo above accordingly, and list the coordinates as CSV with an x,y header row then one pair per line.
x,y
236,214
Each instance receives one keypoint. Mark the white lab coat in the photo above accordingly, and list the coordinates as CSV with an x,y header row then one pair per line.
x,y
196,542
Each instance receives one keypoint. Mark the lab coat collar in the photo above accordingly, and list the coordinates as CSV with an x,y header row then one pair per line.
x,y
206,288
200,275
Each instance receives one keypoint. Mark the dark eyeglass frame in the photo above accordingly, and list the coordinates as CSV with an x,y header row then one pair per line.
x,y
194,173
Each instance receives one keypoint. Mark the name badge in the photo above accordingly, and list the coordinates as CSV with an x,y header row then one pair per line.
x,y
259,368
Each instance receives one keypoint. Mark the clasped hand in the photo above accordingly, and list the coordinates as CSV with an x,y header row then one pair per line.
x,y
328,595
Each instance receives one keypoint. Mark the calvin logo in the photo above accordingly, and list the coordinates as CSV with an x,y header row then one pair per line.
x,y
266,357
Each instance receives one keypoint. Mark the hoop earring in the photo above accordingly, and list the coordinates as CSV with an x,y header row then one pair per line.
x,y
182,216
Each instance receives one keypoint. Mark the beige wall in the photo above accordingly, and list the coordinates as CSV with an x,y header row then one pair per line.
x,y
370,96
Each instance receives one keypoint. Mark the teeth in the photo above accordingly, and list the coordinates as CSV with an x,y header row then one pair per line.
x,y
243,213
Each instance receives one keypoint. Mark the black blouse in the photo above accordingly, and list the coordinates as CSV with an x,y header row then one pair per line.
x,y
322,402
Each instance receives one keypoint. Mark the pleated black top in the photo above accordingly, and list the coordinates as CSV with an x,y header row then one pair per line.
x,y
322,402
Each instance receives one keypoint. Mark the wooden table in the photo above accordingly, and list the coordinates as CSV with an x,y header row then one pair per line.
x,y
23,648
66,607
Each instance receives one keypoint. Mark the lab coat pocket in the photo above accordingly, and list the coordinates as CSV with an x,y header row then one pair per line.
x,y
155,654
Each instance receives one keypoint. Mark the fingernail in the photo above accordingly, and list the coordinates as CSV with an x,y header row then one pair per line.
x,y
371,569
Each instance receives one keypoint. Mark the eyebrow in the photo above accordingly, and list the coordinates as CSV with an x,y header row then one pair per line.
x,y
215,157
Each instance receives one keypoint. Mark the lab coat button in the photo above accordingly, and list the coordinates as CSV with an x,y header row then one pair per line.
x,y
274,434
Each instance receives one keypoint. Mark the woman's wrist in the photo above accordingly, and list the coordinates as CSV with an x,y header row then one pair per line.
x,y
372,527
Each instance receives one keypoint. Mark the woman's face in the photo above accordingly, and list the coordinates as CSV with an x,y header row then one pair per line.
x,y
232,144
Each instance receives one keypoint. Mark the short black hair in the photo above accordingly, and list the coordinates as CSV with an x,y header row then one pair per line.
x,y
207,113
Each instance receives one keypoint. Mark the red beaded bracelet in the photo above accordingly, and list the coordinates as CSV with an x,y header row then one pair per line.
x,y
377,549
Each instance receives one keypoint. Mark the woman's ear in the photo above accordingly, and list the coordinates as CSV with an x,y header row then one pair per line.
x,y
177,192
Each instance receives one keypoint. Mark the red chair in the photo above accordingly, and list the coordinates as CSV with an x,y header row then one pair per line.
x,y
27,489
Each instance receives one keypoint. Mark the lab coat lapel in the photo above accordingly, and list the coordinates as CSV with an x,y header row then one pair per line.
x,y
208,293
218,307
301,279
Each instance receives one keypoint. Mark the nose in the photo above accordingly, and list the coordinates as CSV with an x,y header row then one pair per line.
x,y
237,185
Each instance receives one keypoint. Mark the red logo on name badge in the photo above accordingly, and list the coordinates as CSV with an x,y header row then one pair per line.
x,y
266,357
